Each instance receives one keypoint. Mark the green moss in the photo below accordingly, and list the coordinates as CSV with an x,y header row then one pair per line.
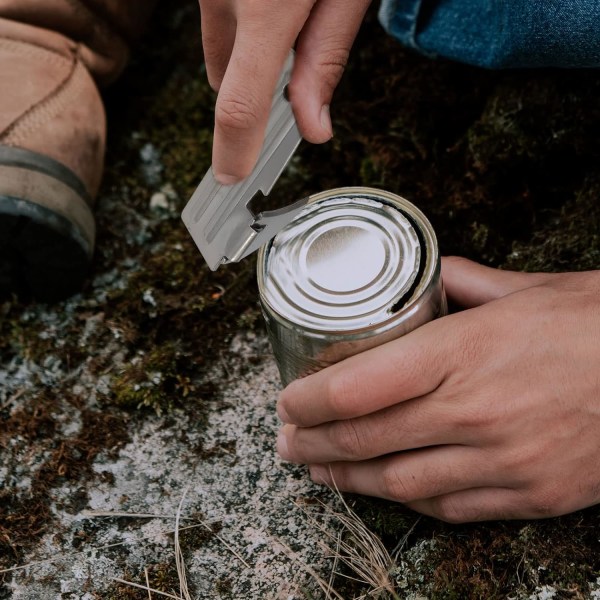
x,y
388,520
153,380
29,338
566,238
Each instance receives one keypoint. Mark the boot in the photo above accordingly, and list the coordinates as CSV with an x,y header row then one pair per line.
x,y
53,56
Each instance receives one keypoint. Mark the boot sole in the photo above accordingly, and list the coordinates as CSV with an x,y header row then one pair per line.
x,y
47,229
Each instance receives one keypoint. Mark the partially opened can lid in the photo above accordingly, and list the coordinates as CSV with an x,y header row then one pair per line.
x,y
344,263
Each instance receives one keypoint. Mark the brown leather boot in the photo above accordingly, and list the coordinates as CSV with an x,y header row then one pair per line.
x,y
53,53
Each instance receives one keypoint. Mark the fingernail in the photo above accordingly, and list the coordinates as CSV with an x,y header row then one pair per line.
x,y
282,413
282,446
326,120
319,474
225,179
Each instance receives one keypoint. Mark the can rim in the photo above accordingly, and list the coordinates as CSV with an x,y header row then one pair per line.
x,y
429,276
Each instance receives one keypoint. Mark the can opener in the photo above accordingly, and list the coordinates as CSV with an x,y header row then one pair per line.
x,y
218,217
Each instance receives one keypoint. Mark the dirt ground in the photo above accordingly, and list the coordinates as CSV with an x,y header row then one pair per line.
x,y
156,382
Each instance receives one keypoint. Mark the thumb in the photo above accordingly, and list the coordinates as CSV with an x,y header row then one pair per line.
x,y
469,284
321,55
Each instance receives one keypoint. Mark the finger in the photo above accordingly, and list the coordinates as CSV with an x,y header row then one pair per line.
x,y
470,284
412,476
406,368
218,34
427,421
263,41
321,55
478,504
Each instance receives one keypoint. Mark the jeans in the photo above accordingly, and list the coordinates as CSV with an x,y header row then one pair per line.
x,y
499,33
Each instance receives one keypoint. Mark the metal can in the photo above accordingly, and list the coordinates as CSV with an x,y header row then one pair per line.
x,y
357,268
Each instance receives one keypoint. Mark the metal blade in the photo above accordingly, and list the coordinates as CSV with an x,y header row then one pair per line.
x,y
217,216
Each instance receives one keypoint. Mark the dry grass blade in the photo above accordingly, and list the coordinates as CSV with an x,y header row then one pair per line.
x,y
400,545
148,583
357,547
106,513
326,587
160,516
147,588
60,557
179,561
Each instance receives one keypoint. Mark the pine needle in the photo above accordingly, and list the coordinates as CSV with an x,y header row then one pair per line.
x,y
148,583
148,589
179,560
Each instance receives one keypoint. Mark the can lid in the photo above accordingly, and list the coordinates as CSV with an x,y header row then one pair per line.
x,y
342,264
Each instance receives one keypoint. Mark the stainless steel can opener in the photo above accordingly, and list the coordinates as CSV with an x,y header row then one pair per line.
x,y
218,217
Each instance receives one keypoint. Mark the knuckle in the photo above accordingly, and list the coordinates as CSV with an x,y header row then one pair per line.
x,y
523,462
237,113
449,509
547,501
472,340
477,416
346,438
342,391
291,398
396,486
331,64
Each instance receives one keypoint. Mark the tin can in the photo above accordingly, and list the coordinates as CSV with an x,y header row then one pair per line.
x,y
357,268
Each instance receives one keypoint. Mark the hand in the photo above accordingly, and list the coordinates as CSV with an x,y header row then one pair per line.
x,y
246,43
489,413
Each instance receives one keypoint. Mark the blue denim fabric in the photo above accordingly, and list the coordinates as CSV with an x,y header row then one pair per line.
x,y
499,33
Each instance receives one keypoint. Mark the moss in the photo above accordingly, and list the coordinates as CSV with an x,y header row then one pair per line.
x,y
25,517
566,238
192,539
390,520
224,587
251,319
163,577
152,381
30,339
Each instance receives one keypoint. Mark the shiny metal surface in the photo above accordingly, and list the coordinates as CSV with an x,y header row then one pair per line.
x,y
217,216
342,264
356,268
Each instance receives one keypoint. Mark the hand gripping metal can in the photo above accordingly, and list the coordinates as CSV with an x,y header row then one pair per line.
x,y
357,268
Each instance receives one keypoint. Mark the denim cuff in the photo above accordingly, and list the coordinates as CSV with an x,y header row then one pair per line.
x,y
499,33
